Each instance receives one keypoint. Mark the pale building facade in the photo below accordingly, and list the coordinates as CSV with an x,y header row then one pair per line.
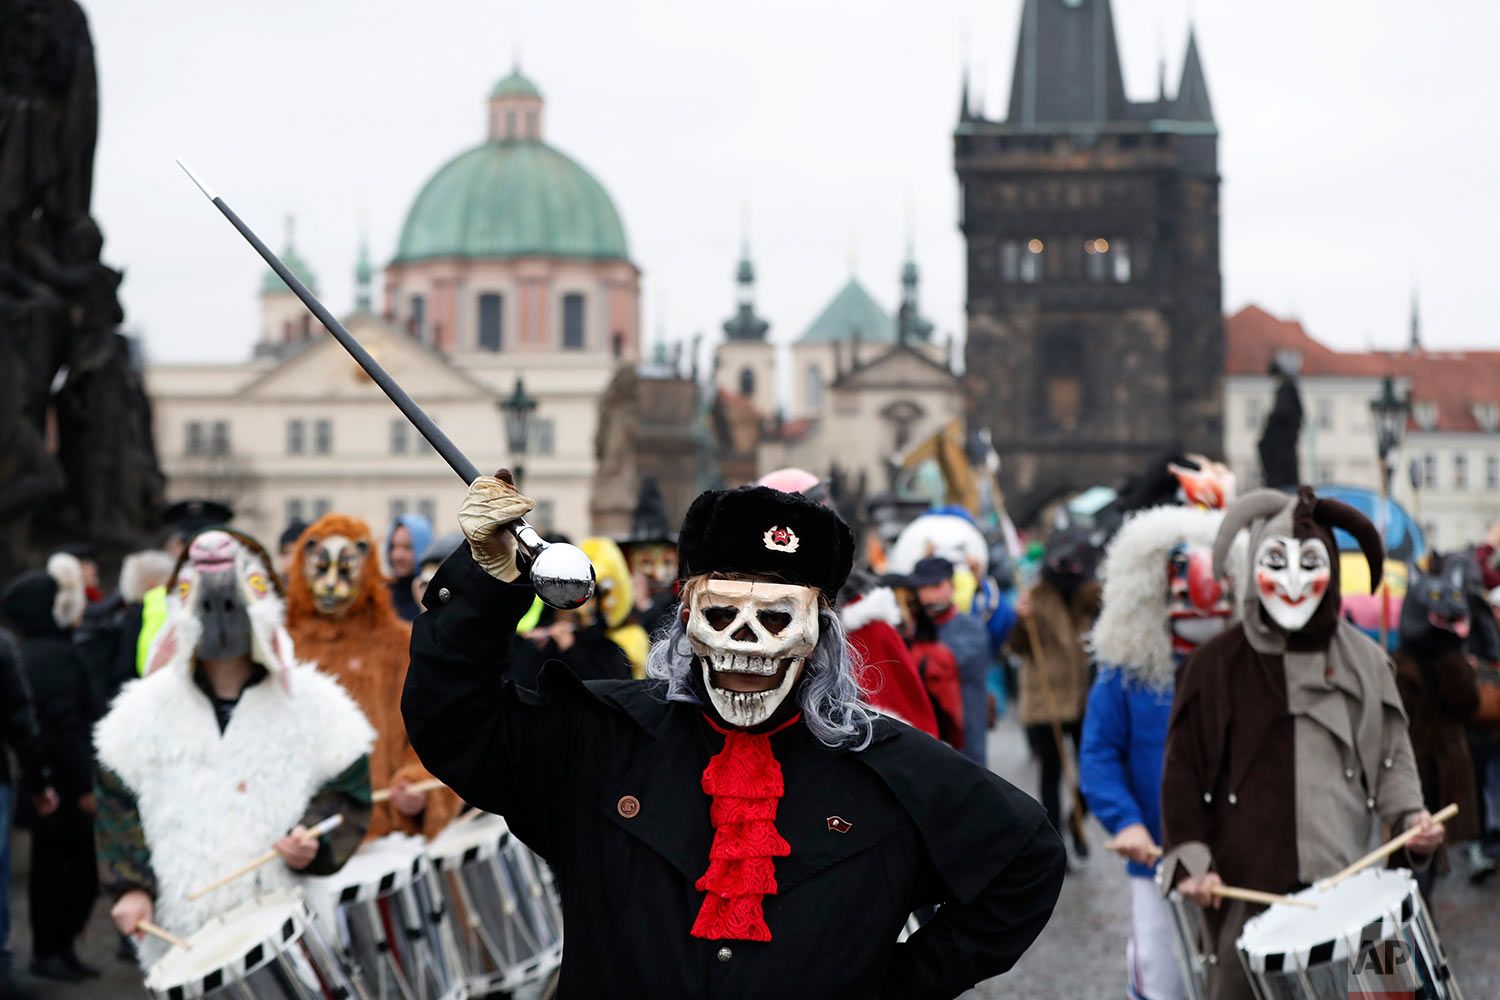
x,y
1448,466
512,264
293,439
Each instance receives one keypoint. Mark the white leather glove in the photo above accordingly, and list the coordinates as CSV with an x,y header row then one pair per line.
x,y
490,505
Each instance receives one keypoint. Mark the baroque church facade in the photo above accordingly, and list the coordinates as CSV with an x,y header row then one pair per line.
x,y
864,385
1095,326
512,269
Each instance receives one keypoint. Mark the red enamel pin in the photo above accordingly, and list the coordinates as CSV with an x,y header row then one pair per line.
x,y
838,824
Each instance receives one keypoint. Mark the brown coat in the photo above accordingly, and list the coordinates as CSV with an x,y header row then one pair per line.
x,y
1061,627
1230,769
1438,705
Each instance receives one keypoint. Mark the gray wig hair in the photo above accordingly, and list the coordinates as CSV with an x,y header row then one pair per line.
x,y
832,701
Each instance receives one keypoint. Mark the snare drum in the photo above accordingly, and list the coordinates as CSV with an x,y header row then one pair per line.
x,y
1187,944
1370,932
505,907
268,948
391,922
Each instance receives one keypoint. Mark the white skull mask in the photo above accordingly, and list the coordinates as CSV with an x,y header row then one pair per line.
x,y
752,640
1291,578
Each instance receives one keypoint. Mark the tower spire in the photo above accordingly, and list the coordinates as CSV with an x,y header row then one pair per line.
x,y
910,325
744,324
1416,323
363,271
1192,103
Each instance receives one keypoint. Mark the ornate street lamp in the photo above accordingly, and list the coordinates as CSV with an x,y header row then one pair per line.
x,y
517,409
1390,412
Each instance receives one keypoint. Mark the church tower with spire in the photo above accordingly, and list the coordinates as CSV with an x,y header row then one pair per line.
x,y
284,320
1095,325
745,363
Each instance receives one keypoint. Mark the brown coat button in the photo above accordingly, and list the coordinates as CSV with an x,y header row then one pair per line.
x,y
628,805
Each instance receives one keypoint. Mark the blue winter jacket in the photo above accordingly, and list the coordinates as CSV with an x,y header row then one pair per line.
x,y
1120,761
965,635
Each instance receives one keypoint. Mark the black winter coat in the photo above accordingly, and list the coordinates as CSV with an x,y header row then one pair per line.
x,y
61,685
18,725
920,825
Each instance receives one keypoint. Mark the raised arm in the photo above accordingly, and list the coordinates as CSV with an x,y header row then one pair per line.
x,y
500,747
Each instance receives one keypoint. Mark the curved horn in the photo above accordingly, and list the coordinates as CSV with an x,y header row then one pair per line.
x,y
1337,514
1253,506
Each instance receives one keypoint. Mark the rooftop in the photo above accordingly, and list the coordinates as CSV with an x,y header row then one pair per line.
x,y
1454,382
853,314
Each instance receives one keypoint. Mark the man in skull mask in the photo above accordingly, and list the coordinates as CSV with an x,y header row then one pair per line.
x,y
1287,746
739,824
228,745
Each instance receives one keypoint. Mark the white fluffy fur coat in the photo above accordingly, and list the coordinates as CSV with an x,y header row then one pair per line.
x,y
210,803
1132,632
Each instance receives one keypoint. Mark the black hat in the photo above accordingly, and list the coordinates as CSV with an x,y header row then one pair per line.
x,y
930,571
761,531
291,533
187,517
650,522
82,551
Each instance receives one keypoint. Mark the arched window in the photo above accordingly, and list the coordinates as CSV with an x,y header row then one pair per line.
x,y
490,321
747,383
812,388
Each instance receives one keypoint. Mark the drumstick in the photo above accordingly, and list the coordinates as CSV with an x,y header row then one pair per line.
x,y
430,785
313,833
1112,845
465,816
165,935
1256,896
1390,847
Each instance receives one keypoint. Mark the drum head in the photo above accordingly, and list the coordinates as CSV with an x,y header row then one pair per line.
x,y
468,842
377,869
235,944
1371,905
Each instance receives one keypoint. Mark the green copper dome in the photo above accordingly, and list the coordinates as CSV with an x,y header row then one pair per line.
x,y
512,198
516,85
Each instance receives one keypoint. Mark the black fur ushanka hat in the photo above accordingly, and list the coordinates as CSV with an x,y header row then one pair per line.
x,y
760,531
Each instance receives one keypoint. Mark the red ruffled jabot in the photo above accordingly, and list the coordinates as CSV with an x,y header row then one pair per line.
x,y
744,781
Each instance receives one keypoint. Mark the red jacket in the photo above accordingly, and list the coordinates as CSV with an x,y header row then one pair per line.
x,y
890,679
939,672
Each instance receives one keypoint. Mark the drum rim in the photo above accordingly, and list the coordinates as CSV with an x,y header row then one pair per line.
x,y
410,864
1308,954
292,927
469,846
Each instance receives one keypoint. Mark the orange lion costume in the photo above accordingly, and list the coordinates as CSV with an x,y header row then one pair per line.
x,y
339,613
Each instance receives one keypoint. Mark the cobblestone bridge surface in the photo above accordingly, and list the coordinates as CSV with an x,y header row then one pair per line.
x,y
1080,956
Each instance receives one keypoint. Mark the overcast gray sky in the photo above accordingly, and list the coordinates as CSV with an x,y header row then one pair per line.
x,y
1358,145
